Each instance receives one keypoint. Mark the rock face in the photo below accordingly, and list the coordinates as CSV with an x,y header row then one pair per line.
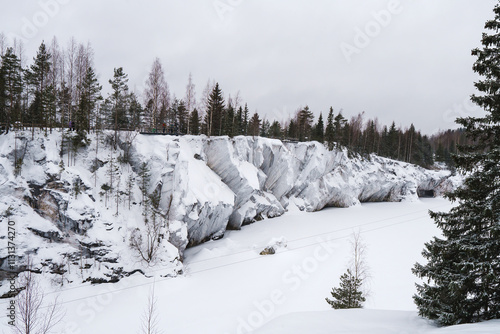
x,y
78,211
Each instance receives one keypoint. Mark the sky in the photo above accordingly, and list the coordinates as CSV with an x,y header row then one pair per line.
x,y
406,61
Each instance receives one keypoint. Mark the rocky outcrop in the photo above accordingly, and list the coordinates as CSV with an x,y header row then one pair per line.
x,y
79,213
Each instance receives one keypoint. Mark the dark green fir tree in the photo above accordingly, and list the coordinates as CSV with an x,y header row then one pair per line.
x,y
462,276
330,131
349,294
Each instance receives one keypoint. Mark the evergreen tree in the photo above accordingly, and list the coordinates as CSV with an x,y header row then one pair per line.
x,y
319,130
11,88
119,99
136,112
340,130
90,95
349,294
229,121
330,130
215,110
37,76
275,130
254,125
393,142
194,123
239,122
245,120
264,129
292,130
305,119
462,282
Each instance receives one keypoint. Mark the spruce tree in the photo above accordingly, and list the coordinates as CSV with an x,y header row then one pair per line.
x,y
194,123
254,125
319,130
330,131
245,120
215,110
462,282
275,130
349,294
340,130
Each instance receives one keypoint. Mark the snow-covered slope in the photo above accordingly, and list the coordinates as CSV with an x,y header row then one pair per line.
x,y
229,288
77,230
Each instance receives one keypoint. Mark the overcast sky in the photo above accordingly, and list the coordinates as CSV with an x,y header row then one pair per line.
x,y
407,61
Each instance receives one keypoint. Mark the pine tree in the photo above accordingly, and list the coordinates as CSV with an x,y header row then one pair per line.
x,y
37,78
349,294
119,98
305,119
11,87
462,282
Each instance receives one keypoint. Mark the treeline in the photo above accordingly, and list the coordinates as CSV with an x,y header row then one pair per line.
x,y
447,143
60,88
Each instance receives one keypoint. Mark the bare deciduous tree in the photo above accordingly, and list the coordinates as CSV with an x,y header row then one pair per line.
x,y
150,317
156,92
358,265
147,244
31,318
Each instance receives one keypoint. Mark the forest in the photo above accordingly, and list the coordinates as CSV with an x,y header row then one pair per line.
x,y
61,89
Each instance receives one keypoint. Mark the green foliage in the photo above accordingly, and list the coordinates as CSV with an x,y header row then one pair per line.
x,y
215,110
11,87
462,275
349,294
194,123
319,130
37,77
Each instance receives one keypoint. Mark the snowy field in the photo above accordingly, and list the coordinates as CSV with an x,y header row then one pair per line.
x,y
229,288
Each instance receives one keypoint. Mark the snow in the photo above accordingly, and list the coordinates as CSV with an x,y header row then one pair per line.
x,y
228,288
224,285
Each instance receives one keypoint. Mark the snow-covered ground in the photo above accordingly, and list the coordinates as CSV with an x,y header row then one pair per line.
x,y
228,287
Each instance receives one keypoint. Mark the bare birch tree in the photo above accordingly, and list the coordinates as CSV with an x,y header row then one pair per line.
x,y
150,318
155,92
358,265
30,306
